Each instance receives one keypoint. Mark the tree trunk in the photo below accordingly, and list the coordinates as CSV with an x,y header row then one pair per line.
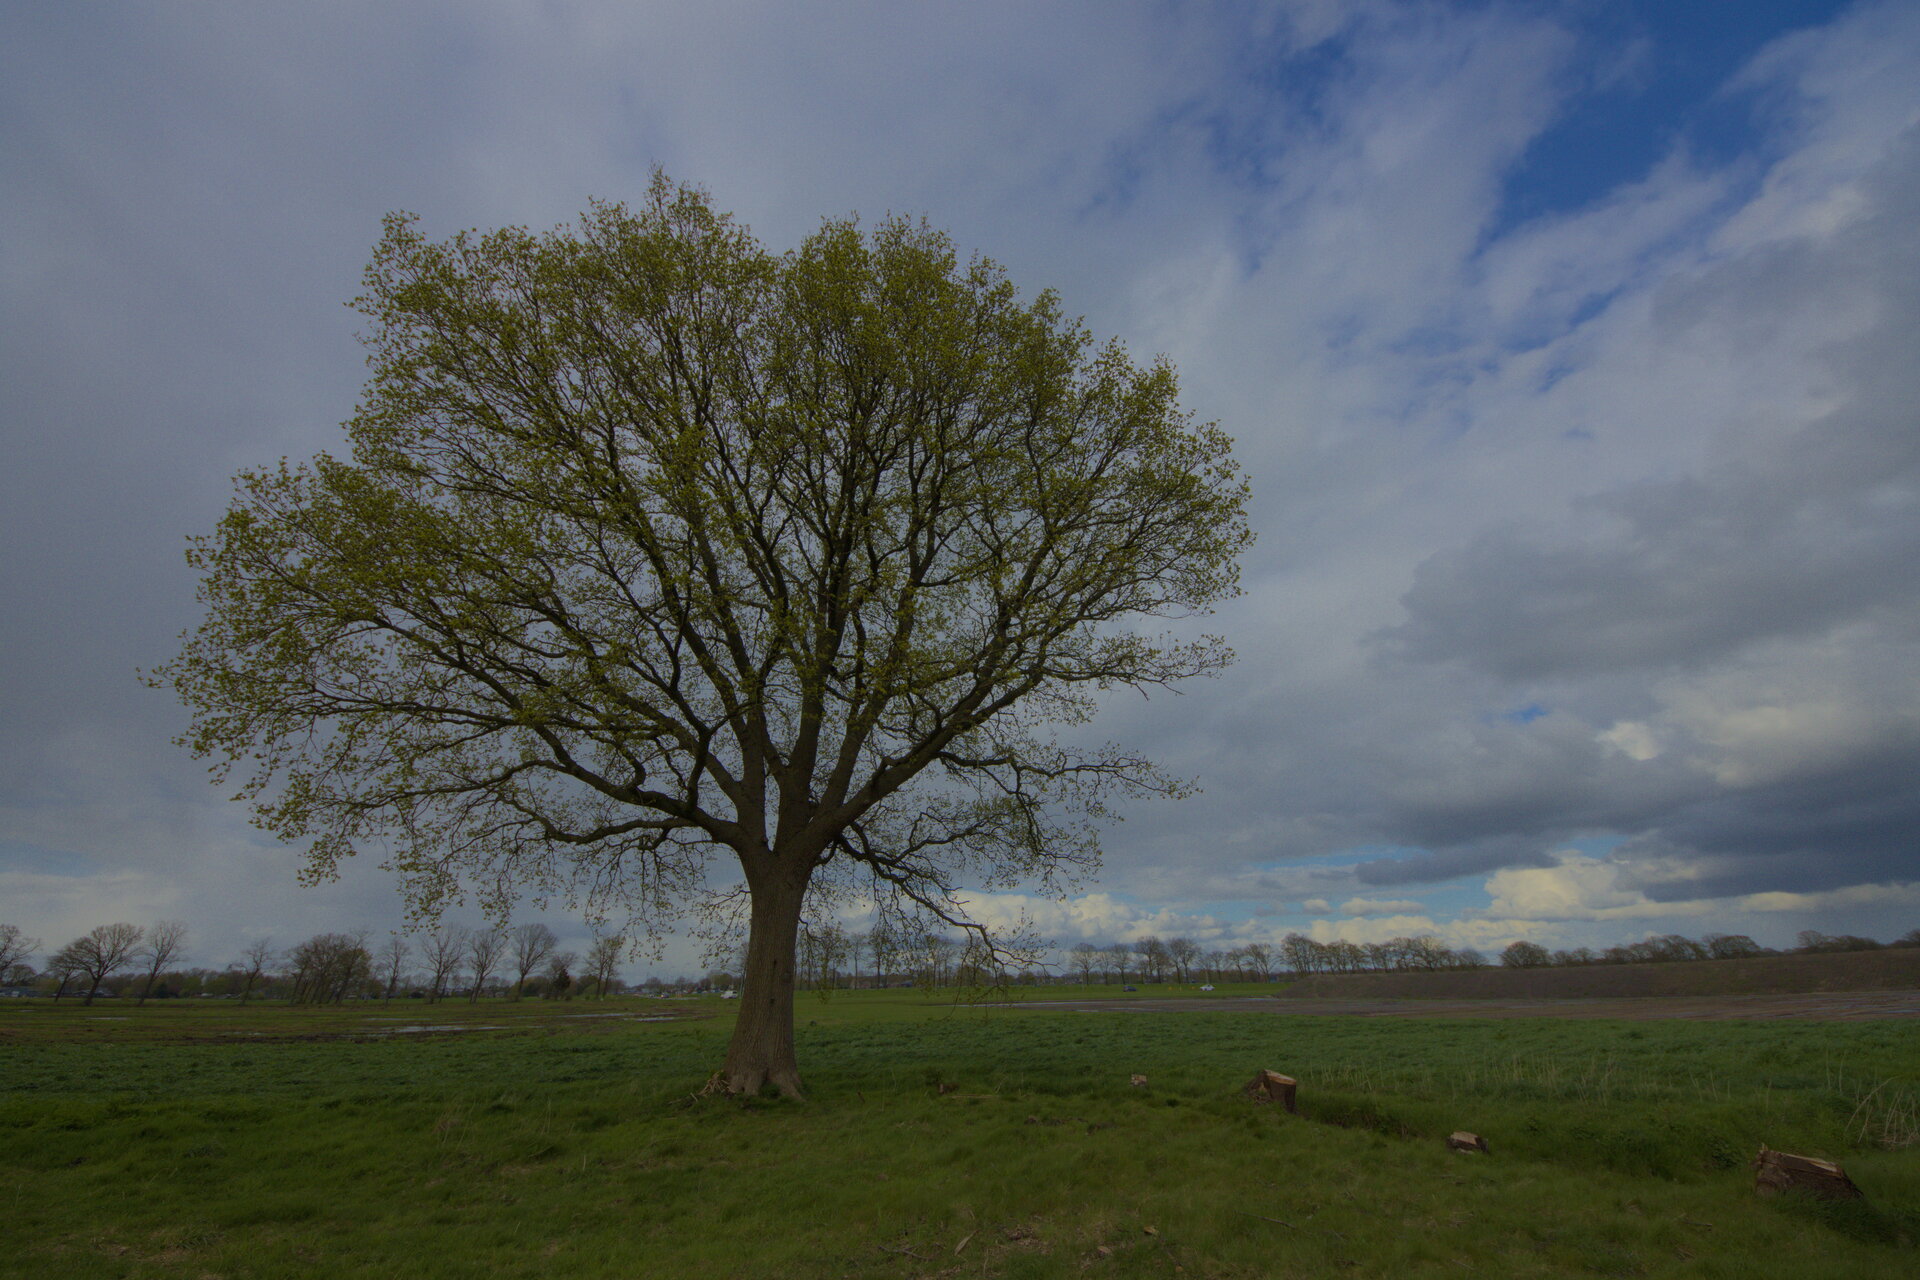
x,y
1777,1171
761,1051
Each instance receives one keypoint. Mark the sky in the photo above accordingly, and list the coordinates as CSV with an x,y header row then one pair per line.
x,y
1569,348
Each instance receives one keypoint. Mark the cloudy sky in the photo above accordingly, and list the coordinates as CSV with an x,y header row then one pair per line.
x,y
1570,349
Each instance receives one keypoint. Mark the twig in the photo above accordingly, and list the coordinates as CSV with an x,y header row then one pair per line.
x,y
908,1252
1264,1218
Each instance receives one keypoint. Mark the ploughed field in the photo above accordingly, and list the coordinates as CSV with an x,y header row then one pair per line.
x,y
1823,1006
942,1139
1794,974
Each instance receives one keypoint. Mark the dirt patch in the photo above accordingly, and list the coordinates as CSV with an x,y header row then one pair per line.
x,y
1819,1005
1795,974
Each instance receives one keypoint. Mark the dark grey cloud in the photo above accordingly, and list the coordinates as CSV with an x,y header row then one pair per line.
x,y
1854,821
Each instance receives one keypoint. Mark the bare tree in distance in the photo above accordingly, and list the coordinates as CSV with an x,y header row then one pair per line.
x,y
560,973
1153,957
1181,953
392,962
1523,954
103,952
856,945
822,947
603,963
63,963
165,941
257,958
655,548
15,947
532,944
485,948
883,945
443,948
1260,956
327,966
1085,958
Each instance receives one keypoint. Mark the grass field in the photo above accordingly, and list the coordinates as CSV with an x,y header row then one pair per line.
x,y
271,1141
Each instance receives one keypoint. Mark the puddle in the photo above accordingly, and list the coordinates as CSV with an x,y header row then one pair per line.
x,y
629,1017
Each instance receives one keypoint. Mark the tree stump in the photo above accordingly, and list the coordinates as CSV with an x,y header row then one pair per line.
x,y
1271,1086
1776,1171
1461,1140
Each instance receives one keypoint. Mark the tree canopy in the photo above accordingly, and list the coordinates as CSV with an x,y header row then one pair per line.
x,y
653,545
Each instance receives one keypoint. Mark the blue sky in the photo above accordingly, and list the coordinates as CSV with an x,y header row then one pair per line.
x,y
1567,347
1649,78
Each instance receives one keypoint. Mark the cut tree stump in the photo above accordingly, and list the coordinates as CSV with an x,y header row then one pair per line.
x,y
1776,1171
1461,1140
1271,1086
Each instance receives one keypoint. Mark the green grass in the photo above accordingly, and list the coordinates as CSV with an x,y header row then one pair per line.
x,y
212,1141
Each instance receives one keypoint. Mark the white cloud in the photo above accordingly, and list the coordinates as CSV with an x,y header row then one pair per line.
x,y
1095,917
1581,888
1633,739
1795,710
1857,895
1578,887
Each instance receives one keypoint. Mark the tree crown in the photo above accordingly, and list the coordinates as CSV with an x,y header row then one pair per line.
x,y
652,541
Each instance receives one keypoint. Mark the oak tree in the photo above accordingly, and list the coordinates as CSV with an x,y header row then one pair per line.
x,y
654,546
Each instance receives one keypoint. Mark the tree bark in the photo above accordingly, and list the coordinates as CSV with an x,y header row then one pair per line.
x,y
761,1051
1777,1171
1271,1086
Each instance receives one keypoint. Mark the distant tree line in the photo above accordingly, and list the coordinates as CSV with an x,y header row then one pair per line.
x,y
448,961
1395,955
1156,959
456,961
1712,946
